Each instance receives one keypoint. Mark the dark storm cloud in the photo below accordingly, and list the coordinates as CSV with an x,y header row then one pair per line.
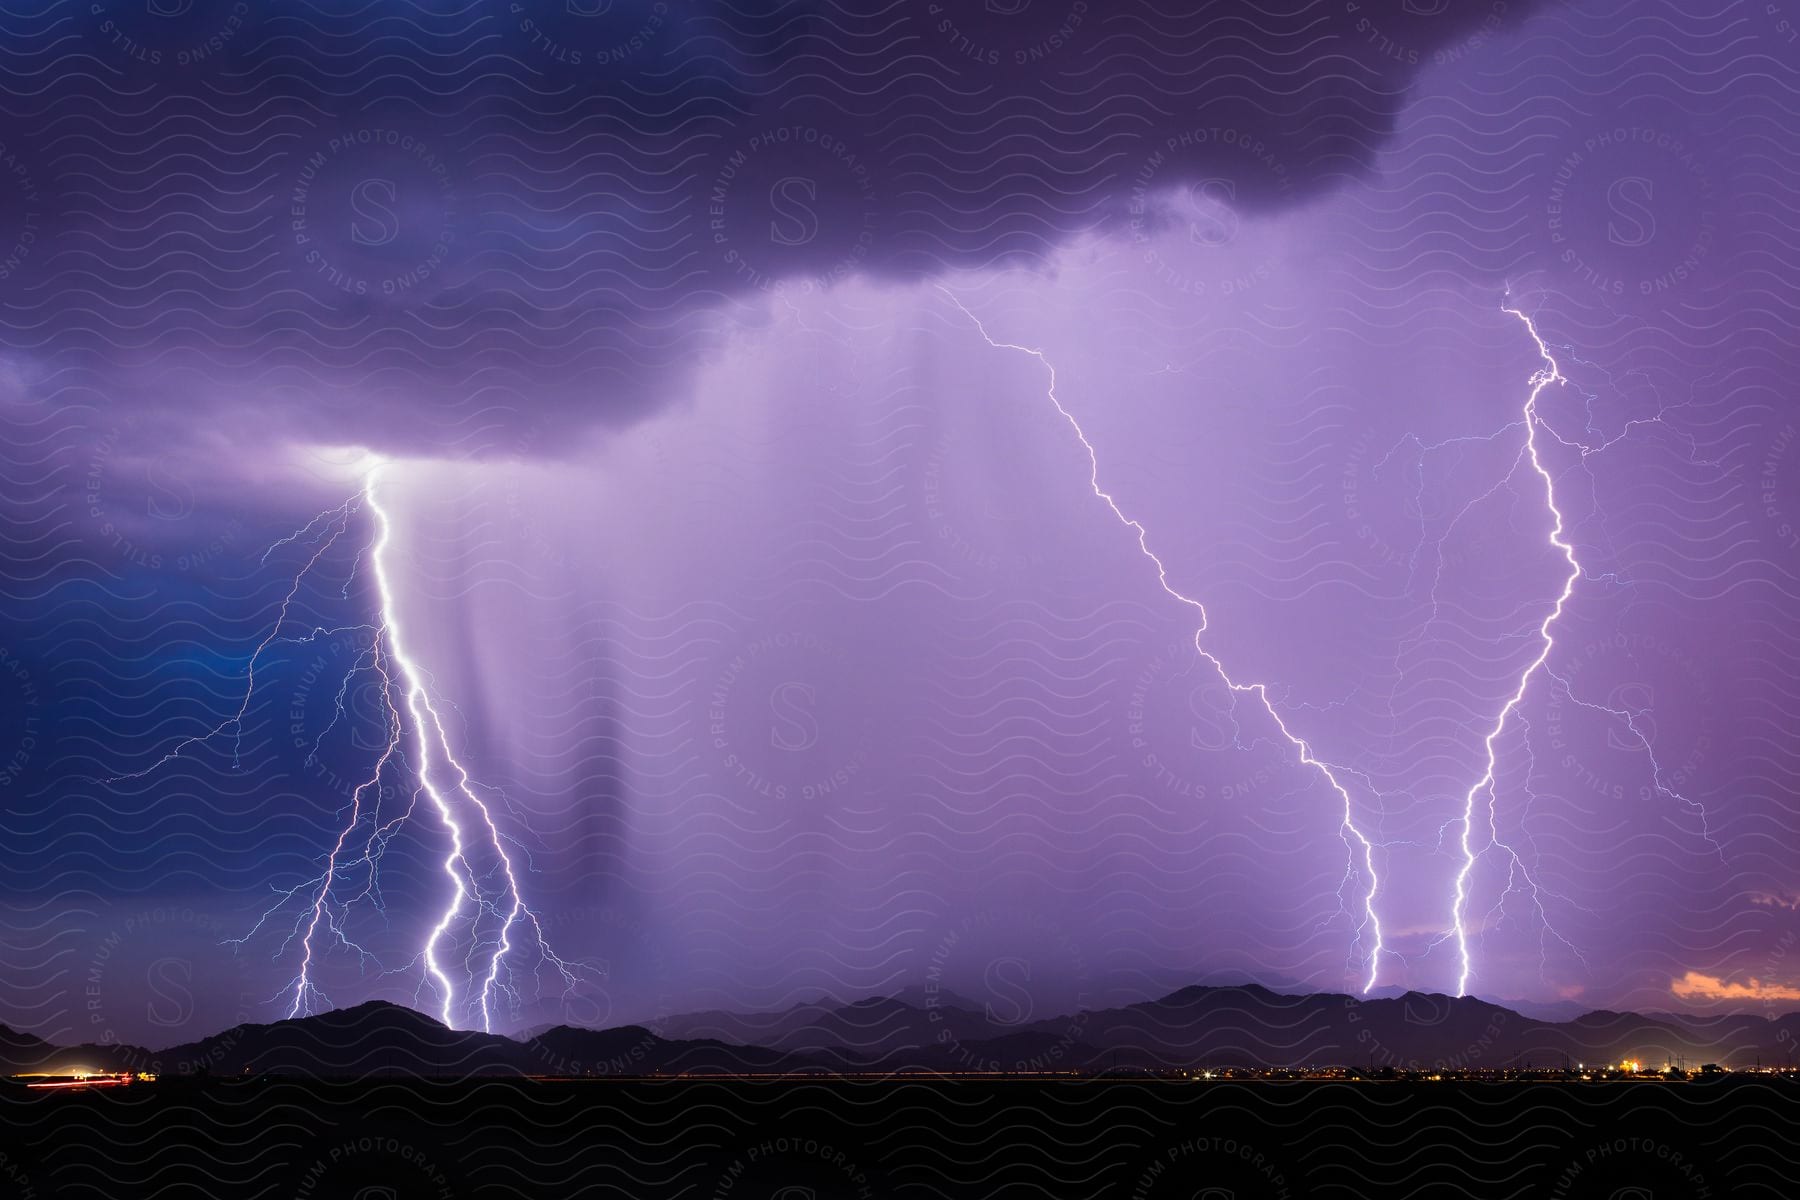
x,y
462,228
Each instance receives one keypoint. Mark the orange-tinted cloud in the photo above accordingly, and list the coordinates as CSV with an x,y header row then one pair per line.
x,y
1695,986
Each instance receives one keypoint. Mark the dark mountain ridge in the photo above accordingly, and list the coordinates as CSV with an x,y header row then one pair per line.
x,y
1199,1026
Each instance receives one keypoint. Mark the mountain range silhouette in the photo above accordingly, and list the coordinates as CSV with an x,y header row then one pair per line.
x,y
924,1029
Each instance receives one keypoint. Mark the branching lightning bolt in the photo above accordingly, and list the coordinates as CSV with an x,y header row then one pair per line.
x,y
1546,375
1352,834
429,731
1540,379
486,903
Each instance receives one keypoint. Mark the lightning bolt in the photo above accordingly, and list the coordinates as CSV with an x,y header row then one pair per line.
x,y
1348,829
429,733
1546,375
1540,379
486,903
235,722
304,990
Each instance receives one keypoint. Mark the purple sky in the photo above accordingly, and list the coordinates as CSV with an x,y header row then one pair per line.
x,y
769,601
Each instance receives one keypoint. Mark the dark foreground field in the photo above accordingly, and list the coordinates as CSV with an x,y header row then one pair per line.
x,y
821,1139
